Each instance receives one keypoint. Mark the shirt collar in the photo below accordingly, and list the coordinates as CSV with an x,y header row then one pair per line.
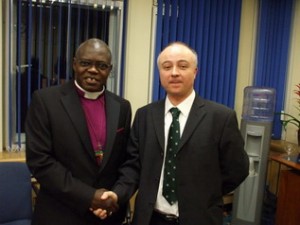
x,y
184,107
88,94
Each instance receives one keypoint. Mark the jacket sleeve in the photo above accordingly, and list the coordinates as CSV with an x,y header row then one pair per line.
x,y
53,176
128,180
234,160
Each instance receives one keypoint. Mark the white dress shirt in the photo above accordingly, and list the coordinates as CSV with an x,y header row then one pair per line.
x,y
185,107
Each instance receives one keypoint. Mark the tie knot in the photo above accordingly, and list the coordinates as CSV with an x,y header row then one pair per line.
x,y
175,112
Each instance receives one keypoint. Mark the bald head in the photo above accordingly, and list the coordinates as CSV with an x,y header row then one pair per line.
x,y
92,65
177,65
94,44
178,46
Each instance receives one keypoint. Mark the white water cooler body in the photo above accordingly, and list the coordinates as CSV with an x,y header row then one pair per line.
x,y
256,129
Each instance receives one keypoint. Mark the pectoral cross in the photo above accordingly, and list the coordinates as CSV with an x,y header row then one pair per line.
x,y
99,153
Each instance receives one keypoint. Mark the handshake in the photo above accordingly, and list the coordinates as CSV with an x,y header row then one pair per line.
x,y
104,203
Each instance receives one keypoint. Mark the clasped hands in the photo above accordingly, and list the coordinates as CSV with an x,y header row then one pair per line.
x,y
104,203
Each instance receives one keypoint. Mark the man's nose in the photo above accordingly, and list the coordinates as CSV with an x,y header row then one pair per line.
x,y
174,71
93,68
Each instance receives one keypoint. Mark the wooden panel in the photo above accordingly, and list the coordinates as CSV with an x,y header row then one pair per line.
x,y
272,176
18,156
288,198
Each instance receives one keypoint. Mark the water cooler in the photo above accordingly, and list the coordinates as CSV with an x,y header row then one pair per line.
x,y
256,128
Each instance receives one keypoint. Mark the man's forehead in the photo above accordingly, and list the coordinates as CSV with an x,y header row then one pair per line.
x,y
176,54
177,50
92,48
166,61
175,47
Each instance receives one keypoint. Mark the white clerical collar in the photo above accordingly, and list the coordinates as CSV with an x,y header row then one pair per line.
x,y
88,94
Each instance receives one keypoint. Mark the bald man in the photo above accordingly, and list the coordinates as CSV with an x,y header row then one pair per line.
x,y
208,161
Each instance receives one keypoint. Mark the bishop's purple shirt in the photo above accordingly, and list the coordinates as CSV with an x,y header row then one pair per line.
x,y
94,110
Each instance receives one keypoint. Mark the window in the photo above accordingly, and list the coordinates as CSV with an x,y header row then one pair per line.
x,y
41,37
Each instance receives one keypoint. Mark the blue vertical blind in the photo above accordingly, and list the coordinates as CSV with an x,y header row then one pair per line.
x,y
211,27
46,36
273,43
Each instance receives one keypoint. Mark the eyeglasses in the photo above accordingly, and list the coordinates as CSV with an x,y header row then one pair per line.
x,y
99,65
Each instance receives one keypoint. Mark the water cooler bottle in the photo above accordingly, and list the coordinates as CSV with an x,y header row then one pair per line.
x,y
256,128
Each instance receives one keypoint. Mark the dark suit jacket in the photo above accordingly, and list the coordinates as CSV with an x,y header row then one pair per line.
x,y
211,162
60,156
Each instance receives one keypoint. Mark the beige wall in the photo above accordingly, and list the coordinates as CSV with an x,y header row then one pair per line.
x,y
1,79
293,75
246,52
138,54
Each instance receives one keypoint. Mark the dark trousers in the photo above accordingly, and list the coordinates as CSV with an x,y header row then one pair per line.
x,y
160,219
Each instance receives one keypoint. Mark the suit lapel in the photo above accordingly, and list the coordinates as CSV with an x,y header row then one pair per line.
x,y
71,103
195,117
158,116
112,120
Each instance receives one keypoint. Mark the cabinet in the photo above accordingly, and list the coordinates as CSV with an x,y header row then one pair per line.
x,y
288,198
288,189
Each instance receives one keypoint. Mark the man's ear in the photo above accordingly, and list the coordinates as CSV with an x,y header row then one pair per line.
x,y
74,63
196,72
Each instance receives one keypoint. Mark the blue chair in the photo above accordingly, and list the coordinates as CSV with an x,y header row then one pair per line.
x,y
15,194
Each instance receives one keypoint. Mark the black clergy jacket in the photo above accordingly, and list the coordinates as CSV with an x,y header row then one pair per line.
x,y
60,155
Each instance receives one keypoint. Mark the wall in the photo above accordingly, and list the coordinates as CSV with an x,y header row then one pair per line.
x,y
139,56
293,75
1,79
246,52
